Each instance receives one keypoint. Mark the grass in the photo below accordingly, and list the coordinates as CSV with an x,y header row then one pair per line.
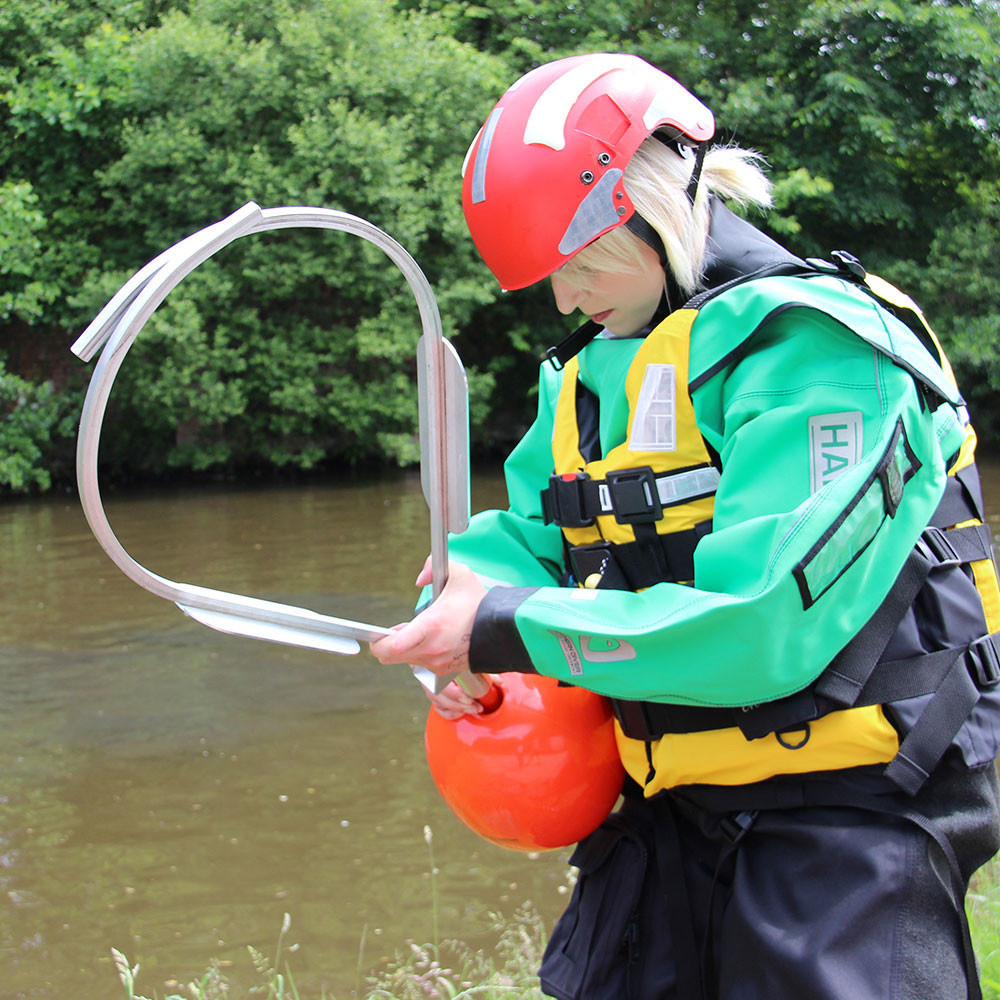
x,y
437,970
450,970
983,906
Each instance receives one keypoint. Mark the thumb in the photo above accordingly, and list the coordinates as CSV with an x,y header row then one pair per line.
x,y
426,575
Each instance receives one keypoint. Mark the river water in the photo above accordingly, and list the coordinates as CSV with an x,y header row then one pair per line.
x,y
173,792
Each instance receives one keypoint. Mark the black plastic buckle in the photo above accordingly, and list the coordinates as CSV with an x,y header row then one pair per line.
x,y
734,826
552,356
936,541
634,496
562,502
985,662
848,262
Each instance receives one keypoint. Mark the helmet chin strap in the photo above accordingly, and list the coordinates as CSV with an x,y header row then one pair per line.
x,y
671,139
639,227
670,299
699,161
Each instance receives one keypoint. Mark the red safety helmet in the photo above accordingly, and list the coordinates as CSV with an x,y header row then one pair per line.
x,y
543,178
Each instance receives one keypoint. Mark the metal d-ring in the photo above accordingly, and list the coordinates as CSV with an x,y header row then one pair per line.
x,y
442,389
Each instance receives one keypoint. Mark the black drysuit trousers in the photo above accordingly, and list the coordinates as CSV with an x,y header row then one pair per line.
x,y
829,887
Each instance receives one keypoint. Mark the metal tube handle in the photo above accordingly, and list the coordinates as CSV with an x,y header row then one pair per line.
x,y
443,381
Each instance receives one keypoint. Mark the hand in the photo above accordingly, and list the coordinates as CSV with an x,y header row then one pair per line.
x,y
454,702
439,637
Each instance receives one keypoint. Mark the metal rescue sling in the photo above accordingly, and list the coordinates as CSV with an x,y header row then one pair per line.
x,y
444,432
477,762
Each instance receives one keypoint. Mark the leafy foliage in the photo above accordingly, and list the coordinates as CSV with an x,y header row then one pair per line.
x,y
30,417
128,124
21,223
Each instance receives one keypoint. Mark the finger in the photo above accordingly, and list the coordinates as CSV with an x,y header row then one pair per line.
x,y
426,574
400,644
451,714
454,701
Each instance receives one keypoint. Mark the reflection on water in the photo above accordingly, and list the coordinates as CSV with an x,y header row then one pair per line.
x,y
172,792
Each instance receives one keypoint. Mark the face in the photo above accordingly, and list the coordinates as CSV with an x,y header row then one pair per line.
x,y
622,302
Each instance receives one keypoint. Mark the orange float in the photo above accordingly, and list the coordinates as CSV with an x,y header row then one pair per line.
x,y
539,771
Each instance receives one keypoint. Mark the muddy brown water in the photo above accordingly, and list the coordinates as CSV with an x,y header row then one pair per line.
x,y
173,792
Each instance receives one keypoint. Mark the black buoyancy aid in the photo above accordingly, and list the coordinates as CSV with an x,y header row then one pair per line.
x,y
630,519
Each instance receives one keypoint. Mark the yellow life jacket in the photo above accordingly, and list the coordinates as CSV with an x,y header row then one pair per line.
x,y
633,517
665,452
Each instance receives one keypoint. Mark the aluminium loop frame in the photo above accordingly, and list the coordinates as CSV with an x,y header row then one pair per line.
x,y
443,396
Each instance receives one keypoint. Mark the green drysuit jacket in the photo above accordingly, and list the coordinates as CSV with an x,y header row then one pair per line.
x,y
794,565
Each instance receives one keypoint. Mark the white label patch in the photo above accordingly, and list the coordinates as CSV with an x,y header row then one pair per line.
x,y
569,650
655,421
835,444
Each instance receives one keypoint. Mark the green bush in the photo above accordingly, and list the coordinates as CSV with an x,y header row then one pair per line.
x,y
125,126
32,417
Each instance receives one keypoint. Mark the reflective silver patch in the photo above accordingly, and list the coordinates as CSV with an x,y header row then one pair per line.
x,y
687,485
614,651
568,648
672,489
654,424
593,216
482,154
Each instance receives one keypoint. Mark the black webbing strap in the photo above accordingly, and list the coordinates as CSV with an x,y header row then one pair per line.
x,y
699,160
646,720
857,677
639,226
957,894
970,544
850,669
848,673
962,500
631,496
974,669
570,346
667,855
896,680
973,487
651,559
735,827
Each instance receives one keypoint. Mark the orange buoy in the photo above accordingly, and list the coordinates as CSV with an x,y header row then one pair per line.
x,y
539,771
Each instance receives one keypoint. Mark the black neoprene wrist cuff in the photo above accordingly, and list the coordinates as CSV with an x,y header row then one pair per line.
x,y
496,645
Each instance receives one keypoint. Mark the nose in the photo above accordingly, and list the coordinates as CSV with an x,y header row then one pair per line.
x,y
568,296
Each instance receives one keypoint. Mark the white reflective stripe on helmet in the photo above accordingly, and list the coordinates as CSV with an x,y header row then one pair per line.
x,y
468,152
482,155
546,124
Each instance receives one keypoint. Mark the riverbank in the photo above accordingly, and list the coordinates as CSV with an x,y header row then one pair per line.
x,y
454,971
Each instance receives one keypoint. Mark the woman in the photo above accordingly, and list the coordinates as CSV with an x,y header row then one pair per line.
x,y
748,514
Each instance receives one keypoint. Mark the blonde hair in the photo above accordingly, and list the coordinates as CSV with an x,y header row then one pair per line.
x,y
656,180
